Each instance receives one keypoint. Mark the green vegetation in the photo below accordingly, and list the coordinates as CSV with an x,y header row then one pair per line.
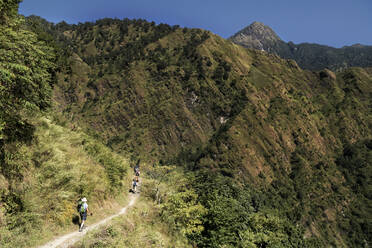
x,y
140,227
355,164
239,148
25,74
170,188
317,57
44,167
56,168
191,99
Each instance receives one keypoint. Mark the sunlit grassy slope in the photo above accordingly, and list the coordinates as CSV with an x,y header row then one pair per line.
x,y
140,227
57,167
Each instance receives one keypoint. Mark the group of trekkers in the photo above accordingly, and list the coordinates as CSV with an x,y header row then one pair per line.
x,y
82,206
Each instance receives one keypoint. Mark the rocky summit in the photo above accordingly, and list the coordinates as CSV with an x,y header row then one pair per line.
x,y
308,56
257,36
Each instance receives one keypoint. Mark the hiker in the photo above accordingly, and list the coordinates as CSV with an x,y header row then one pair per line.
x,y
137,174
136,167
83,212
134,188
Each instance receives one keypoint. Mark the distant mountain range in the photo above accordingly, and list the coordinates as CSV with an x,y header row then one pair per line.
x,y
307,55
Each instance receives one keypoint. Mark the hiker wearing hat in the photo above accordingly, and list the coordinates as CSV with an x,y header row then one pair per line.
x,y
83,212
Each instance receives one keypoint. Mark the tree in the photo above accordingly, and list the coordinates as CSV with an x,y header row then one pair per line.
x,y
26,66
8,10
270,231
184,213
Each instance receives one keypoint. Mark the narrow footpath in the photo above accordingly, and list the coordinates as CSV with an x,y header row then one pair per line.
x,y
71,238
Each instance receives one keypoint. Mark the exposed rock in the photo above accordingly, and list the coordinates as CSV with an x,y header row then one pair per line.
x,y
308,56
256,36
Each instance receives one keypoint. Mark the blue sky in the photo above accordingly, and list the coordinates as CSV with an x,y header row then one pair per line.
x,y
329,22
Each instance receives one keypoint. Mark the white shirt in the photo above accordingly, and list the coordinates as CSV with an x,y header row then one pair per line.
x,y
85,205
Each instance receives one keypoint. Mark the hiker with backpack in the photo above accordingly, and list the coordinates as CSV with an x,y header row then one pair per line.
x,y
137,166
134,185
137,174
137,170
83,211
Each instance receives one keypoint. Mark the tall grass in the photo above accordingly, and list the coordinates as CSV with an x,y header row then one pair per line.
x,y
140,227
58,167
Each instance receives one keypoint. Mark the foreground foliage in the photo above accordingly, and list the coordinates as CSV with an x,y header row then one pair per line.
x,y
139,227
56,168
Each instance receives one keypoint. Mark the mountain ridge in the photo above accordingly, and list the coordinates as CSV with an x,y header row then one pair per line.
x,y
239,147
190,97
310,56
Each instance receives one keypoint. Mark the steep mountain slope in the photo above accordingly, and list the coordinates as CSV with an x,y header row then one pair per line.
x,y
247,149
308,56
57,167
44,166
141,98
189,97
47,163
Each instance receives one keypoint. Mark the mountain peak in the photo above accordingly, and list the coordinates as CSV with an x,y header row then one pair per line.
x,y
257,36
358,45
256,25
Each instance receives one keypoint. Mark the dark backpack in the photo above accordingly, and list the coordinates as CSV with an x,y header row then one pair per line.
x,y
79,206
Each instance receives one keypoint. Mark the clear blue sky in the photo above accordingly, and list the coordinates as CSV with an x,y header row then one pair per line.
x,y
329,22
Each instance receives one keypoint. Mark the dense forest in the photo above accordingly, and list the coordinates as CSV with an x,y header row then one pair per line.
x,y
239,148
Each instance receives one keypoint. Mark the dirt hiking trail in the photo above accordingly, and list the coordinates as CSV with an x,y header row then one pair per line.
x,y
70,238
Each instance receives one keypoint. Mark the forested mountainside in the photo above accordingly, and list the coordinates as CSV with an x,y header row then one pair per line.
x,y
309,56
265,141
242,148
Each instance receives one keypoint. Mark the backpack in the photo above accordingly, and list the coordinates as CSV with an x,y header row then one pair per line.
x,y
79,205
82,209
